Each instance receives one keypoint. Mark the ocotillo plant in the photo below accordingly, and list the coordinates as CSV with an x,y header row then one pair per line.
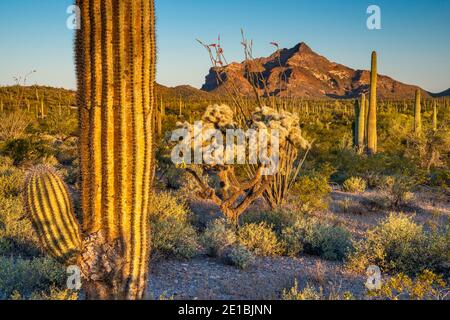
x,y
435,121
115,64
372,114
418,113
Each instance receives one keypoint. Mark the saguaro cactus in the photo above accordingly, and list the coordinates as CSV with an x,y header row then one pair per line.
x,y
361,122
435,121
418,113
115,63
372,115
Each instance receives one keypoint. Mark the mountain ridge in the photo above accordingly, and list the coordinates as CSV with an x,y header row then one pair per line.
x,y
305,74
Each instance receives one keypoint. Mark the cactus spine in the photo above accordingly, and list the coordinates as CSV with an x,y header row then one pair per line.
x,y
372,114
418,113
435,121
49,206
115,64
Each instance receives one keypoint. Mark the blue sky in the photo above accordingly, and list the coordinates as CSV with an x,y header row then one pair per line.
x,y
413,45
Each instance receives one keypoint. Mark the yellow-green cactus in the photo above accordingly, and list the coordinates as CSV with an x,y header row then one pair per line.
x,y
435,120
372,114
115,63
418,113
361,125
50,209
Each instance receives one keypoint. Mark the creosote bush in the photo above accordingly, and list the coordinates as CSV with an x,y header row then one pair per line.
x,y
426,286
239,256
172,233
398,244
310,236
311,193
218,237
354,185
309,292
26,277
259,239
394,192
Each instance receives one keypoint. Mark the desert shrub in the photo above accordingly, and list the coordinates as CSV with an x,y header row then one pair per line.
x,y
11,181
374,180
259,239
13,125
67,150
174,178
217,237
308,293
440,178
164,205
394,192
61,124
398,244
348,205
27,276
354,185
426,286
292,241
276,219
16,233
55,294
311,193
313,237
27,149
172,238
239,256
172,234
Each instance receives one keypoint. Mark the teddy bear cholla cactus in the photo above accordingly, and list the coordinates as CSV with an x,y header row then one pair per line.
x,y
291,141
226,190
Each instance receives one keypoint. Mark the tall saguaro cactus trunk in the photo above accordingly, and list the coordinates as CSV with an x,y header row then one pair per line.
x,y
372,114
116,57
115,61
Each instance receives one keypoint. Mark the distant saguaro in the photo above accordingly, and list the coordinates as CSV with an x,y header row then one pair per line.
x,y
418,113
372,114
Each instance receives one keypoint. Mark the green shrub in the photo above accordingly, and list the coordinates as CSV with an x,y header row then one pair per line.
x,y
172,234
16,233
395,192
398,244
11,181
55,294
311,193
61,124
313,237
259,239
217,237
172,238
27,276
308,293
14,125
354,185
277,219
239,257
27,149
427,286
311,293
